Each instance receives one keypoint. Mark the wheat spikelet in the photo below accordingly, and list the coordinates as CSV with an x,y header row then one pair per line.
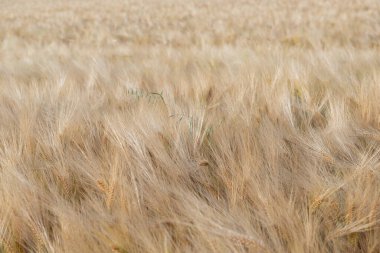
x,y
38,238
318,121
320,198
65,185
316,203
229,184
124,203
7,246
353,239
203,163
334,209
349,216
211,190
110,195
258,119
11,246
327,158
373,212
247,242
12,241
108,190
209,95
118,249
102,185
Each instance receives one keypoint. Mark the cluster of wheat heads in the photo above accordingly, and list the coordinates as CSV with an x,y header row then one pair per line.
x,y
174,126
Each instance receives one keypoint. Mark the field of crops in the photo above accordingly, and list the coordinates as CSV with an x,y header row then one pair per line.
x,y
189,126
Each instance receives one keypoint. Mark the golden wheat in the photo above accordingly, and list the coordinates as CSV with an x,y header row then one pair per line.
x,y
189,126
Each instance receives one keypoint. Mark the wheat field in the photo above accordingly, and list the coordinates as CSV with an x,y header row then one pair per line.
x,y
189,126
